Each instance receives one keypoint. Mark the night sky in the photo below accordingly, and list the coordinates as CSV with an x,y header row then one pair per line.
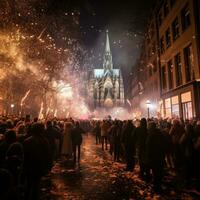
x,y
50,20
125,21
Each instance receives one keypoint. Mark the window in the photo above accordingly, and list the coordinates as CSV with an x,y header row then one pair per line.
x,y
186,100
187,110
154,66
153,48
168,38
175,29
168,109
163,77
150,70
170,74
160,18
152,31
162,45
185,17
189,63
172,3
178,69
166,8
175,106
149,52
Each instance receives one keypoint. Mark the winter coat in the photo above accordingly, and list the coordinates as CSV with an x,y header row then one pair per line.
x,y
104,129
176,133
77,136
128,138
67,139
37,156
141,136
155,147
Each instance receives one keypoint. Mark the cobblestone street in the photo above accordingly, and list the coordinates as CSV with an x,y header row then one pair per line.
x,y
98,177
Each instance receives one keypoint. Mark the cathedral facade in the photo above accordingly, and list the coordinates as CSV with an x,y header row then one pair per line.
x,y
106,87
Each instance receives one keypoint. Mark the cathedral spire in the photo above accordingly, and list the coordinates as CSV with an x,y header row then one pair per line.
x,y
107,63
107,50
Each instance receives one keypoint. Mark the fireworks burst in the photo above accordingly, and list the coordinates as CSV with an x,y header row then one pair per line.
x,y
37,54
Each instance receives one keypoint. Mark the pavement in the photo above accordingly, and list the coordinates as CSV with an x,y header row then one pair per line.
x,y
98,177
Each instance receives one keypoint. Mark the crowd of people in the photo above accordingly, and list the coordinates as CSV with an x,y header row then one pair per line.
x,y
157,146
28,149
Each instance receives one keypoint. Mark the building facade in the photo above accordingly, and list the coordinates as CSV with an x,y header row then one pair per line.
x,y
178,36
106,87
173,86
145,83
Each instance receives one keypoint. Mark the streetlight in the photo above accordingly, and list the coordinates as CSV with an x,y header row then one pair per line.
x,y
12,107
148,103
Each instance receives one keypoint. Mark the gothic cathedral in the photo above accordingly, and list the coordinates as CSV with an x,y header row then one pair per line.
x,y
106,88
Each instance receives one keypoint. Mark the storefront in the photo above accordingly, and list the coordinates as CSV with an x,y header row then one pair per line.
x,y
186,104
177,106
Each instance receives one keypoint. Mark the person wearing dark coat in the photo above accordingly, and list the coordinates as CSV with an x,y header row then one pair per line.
x,y
115,135
128,140
7,189
141,136
187,149
52,134
176,132
37,160
10,138
155,154
97,131
14,161
196,156
77,141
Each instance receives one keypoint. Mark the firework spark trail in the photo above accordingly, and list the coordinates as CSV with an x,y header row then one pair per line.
x,y
47,112
29,49
40,35
55,113
40,116
25,97
129,103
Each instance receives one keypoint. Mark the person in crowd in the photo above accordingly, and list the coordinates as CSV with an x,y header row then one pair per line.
x,y
37,160
196,160
14,160
52,134
10,138
3,127
77,141
141,137
169,151
117,136
176,132
110,137
128,140
7,189
66,149
155,154
97,131
104,133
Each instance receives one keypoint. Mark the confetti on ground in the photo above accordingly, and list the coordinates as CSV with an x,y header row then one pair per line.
x,y
98,177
